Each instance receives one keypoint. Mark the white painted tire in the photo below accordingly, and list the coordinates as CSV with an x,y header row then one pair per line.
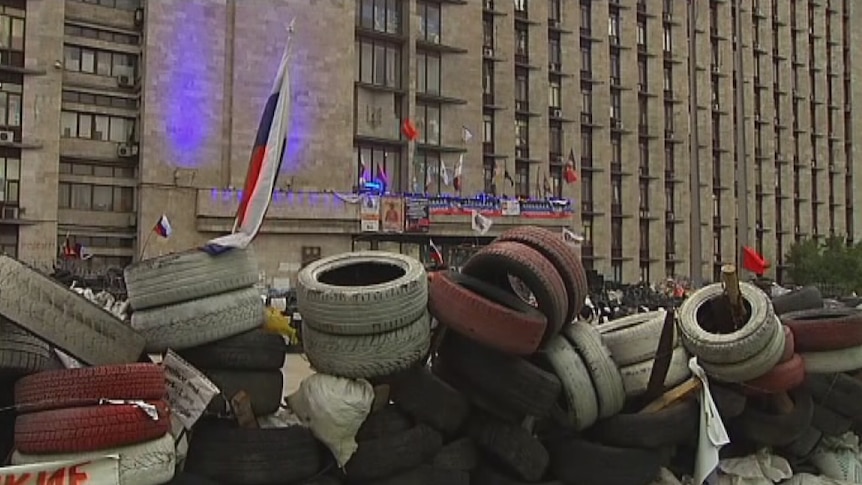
x,y
603,372
150,463
833,361
582,405
635,338
636,376
752,367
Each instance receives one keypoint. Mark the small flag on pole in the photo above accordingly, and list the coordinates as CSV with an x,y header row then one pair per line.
x,y
163,227
571,238
68,250
466,134
444,173
456,182
409,130
571,175
754,262
436,253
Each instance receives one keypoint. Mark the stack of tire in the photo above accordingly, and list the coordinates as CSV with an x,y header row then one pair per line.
x,y
511,360
205,308
87,413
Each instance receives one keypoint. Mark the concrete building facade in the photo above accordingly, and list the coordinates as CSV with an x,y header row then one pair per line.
x,y
119,111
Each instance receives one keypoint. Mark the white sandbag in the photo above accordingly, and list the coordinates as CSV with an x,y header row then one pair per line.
x,y
837,457
761,468
333,408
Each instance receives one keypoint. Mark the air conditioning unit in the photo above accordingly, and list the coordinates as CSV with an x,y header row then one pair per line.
x,y
126,150
10,213
716,68
670,255
557,113
7,136
716,106
125,81
644,214
488,52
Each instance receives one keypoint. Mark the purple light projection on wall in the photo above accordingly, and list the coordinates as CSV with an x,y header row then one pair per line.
x,y
190,100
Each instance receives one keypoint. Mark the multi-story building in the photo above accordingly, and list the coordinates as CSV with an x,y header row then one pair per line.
x,y
113,112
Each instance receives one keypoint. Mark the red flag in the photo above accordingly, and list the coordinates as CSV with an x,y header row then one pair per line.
x,y
753,262
409,130
436,253
68,250
456,182
571,175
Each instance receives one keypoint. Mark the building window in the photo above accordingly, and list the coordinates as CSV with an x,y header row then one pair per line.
x,y
616,150
90,197
96,99
488,33
378,63
104,35
642,34
556,173
521,6
11,33
555,92
119,4
522,43
428,123
555,138
522,137
10,104
643,156
9,240
555,53
379,15
643,113
616,106
642,74
488,128
555,10
586,15
615,68
488,166
668,117
379,157
586,98
428,72
587,194
99,62
614,24
668,39
96,127
668,78
10,180
522,179
488,78
522,89
429,21
428,163
669,161
587,144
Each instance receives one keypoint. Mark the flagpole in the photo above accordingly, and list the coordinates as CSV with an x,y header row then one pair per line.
x,y
146,243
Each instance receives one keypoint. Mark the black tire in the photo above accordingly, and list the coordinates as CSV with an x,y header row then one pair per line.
x,y
577,461
778,430
246,456
730,403
264,388
838,392
513,382
481,400
186,479
426,475
385,421
460,454
806,298
803,446
513,447
22,353
674,425
829,422
486,475
389,455
255,350
430,400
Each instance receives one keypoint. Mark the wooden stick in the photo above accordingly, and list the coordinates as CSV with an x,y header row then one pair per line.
x,y
734,294
679,392
782,403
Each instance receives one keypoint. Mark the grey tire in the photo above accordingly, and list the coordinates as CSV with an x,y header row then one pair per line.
x,y
604,373
832,361
362,293
189,275
753,367
634,338
636,376
200,322
730,347
581,403
63,318
23,353
367,356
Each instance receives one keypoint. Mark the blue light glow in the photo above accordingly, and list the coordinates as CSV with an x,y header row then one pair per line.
x,y
189,100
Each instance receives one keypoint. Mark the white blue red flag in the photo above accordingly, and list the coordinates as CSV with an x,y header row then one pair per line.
x,y
163,227
266,158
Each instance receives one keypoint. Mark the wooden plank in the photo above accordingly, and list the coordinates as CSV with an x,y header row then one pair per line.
x,y
679,392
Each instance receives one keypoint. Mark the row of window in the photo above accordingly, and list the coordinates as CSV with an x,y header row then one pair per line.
x,y
120,4
102,198
99,62
378,63
10,176
96,127
10,105
96,170
98,34
99,100
97,241
379,15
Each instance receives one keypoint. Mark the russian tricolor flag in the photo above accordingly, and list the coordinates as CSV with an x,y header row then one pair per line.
x,y
266,157
163,227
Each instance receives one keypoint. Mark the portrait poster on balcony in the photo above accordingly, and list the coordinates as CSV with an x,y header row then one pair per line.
x,y
369,213
392,214
510,207
417,215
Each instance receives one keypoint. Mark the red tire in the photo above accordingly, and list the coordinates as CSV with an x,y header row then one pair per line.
x,y
496,262
86,386
783,377
564,258
486,314
92,428
789,345
825,328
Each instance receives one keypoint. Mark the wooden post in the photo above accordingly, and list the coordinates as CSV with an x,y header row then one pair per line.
x,y
734,294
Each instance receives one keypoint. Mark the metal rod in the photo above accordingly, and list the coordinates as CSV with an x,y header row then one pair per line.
x,y
740,142
696,229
